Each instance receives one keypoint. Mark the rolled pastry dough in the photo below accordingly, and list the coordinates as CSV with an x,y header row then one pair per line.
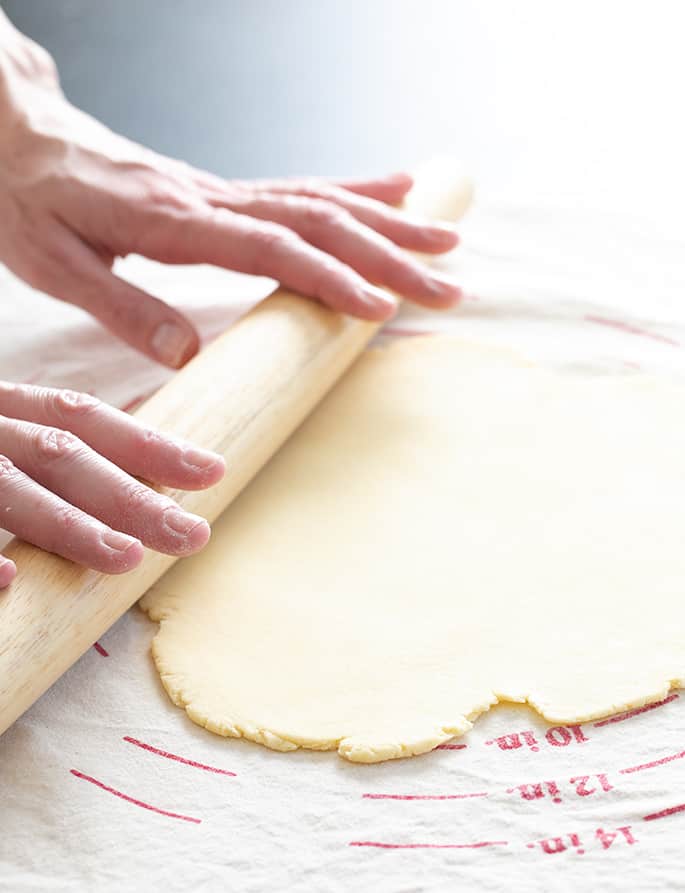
x,y
452,527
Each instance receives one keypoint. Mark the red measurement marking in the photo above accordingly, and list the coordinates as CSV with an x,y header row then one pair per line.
x,y
450,747
536,791
632,330
100,650
672,810
675,756
122,796
621,716
423,796
429,846
173,756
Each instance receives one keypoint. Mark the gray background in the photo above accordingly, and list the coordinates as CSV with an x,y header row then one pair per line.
x,y
249,87
574,104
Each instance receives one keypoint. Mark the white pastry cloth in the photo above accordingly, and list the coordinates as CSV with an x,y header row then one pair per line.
x,y
589,294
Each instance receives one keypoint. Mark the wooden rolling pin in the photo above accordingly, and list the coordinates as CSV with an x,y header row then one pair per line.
x,y
242,397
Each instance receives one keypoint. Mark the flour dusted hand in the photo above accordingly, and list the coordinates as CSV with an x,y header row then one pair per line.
x,y
74,196
67,466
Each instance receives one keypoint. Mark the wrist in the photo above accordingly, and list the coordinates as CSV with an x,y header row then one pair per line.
x,y
28,87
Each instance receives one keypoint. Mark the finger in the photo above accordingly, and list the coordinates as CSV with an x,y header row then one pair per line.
x,y
414,234
70,270
336,232
8,571
390,189
116,435
238,242
42,518
66,466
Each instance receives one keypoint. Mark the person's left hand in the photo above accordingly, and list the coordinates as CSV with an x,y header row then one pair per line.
x,y
72,481
74,196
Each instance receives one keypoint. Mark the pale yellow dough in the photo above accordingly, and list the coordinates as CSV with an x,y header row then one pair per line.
x,y
452,527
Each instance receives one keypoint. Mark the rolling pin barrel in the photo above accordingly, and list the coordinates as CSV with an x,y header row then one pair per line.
x,y
242,397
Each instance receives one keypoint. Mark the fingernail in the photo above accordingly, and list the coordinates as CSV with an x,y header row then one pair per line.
x,y
444,228
171,343
200,459
182,522
119,542
378,298
399,177
8,572
444,286
433,227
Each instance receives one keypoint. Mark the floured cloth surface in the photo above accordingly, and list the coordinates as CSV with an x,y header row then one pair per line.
x,y
104,782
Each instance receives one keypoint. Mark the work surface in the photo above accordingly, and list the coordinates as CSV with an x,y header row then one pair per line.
x,y
104,783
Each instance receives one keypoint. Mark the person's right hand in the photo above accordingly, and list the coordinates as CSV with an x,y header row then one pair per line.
x,y
74,196
67,463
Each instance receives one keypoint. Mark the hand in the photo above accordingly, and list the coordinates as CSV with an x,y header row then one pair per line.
x,y
74,196
74,494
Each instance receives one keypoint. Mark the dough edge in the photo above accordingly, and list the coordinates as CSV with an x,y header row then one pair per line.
x,y
358,749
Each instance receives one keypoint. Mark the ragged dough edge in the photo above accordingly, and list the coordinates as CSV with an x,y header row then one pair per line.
x,y
556,716
356,748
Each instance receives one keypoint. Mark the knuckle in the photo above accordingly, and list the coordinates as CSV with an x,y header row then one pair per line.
x,y
7,468
48,66
321,213
128,316
134,498
327,281
73,404
312,186
271,243
182,168
37,63
145,439
54,444
160,194
67,517
271,237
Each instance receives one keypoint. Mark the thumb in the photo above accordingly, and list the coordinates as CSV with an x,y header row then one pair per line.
x,y
76,274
